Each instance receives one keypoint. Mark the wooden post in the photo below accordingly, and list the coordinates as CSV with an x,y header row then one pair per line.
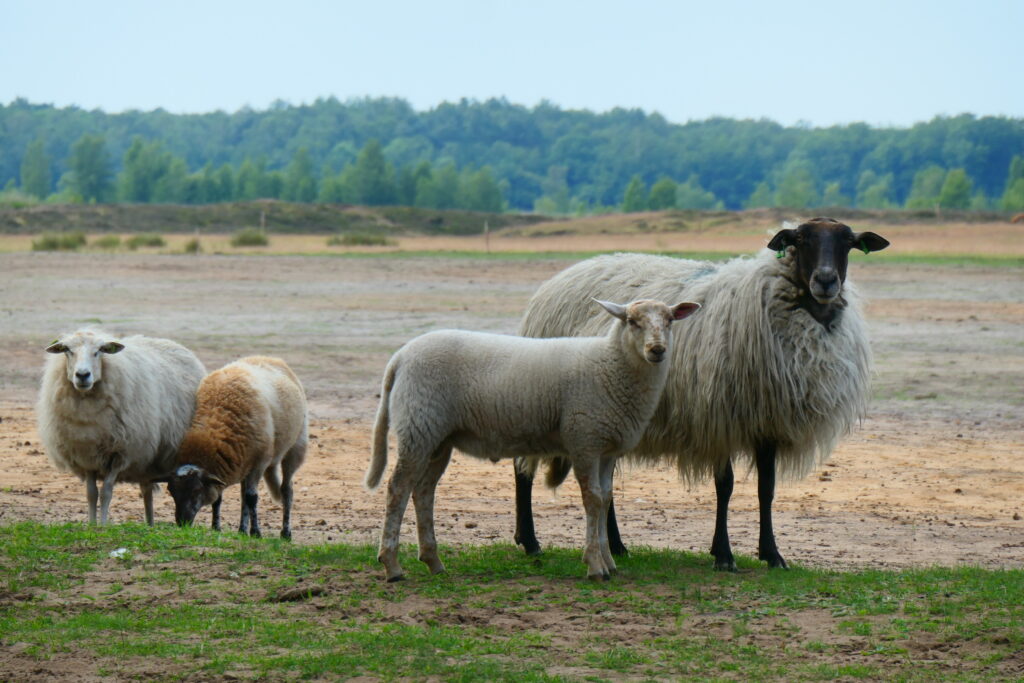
x,y
487,237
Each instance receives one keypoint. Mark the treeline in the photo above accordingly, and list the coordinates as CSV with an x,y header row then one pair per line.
x,y
495,155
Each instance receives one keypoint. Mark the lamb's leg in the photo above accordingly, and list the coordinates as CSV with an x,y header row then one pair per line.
x,y
215,512
525,536
92,495
408,470
720,546
106,494
607,472
293,459
588,476
423,500
250,498
766,548
147,501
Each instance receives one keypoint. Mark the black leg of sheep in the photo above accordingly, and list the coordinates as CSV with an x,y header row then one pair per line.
x,y
526,535
767,550
720,546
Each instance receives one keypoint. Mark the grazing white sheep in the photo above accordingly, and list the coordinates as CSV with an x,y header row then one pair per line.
x,y
250,419
777,367
501,396
116,409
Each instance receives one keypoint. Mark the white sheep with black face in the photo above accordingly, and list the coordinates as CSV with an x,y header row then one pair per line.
x,y
113,410
775,370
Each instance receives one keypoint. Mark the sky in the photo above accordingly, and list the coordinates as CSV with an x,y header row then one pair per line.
x,y
886,63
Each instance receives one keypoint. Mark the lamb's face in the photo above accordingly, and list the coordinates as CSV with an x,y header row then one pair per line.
x,y
821,250
192,488
83,352
648,324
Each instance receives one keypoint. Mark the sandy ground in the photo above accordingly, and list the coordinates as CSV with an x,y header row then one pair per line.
x,y
935,475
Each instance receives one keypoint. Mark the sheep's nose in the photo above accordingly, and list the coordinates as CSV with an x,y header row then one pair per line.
x,y
657,351
827,277
82,375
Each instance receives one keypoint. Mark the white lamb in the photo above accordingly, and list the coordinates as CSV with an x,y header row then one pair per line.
x,y
116,410
588,399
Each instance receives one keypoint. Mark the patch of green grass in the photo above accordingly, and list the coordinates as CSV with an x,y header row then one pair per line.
x,y
59,241
360,239
198,604
193,246
106,242
249,237
145,239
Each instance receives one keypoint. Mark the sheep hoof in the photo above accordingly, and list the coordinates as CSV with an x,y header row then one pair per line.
x,y
396,578
728,565
286,534
619,550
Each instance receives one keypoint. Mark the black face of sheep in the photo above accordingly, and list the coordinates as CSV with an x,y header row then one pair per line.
x,y
191,487
821,248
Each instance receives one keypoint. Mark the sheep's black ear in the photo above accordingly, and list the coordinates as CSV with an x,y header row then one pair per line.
x,y
869,241
783,238
112,347
56,347
618,310
684,310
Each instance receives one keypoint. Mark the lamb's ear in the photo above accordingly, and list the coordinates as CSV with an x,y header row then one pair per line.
x,y
112,347
783,238
618,310
56,347
684,310
209,479
869,241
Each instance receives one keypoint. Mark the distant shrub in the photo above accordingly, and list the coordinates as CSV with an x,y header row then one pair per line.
x,y
107,242
249,237
145,239
358,239
59,241
13,198
193,246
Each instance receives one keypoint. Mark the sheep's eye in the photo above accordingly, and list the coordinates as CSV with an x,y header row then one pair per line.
x,y
633,322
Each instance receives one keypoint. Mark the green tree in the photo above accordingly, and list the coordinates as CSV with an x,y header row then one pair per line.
x,y
796,188
956,190
142,178
663,194
36,178
635,197
1013,193
373,179
833,195
554,197
874,191
479,191
761,197
690,195
299,181
89,174
924,192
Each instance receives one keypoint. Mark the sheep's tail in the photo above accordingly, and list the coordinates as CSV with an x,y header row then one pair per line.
x,y
379,459
558,470
273,483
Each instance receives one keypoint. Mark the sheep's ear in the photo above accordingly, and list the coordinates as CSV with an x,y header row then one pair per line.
x,y
869,242
783,238
209,479
112,347
684,310
56,347
618,310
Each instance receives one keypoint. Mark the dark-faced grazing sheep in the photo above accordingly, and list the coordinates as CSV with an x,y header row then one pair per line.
x,y
116,410
497,396
776,368
250,419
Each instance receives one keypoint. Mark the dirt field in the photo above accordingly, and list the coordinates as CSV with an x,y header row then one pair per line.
x,y
934,476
